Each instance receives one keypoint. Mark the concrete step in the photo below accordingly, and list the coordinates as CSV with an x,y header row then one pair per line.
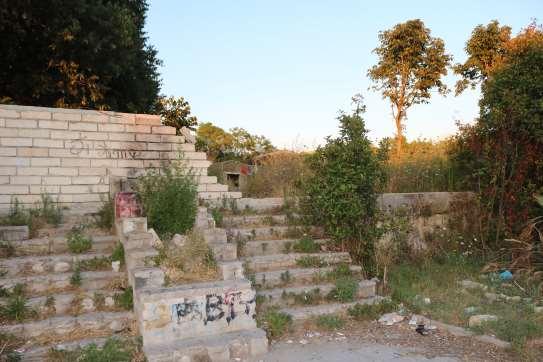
x,y
293,276
271,232
57,245
66,328
305,312
36,265
40,353
224,251
282,261
230,346
36,285
218,195
269,247
254,220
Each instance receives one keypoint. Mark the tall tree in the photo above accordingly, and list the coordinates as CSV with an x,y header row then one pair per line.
x,y
176,113
411,63
485,49
77,53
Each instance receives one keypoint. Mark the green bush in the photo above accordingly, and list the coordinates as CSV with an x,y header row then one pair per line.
x,y
16,309
169,200
345,290
364,312
125,299
77,242
330,322
306,245
106,215
347,174
76,279
276,323
118,253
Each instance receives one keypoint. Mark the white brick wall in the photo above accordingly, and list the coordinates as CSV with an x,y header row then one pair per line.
x,y
72,153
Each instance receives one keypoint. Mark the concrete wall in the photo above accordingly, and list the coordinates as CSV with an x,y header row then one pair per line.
x,y
79,156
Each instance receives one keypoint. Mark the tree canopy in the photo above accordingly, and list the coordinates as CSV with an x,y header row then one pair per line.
x,y
78,54
411,63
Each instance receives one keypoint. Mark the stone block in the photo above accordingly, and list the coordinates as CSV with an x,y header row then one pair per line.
x,y
366,289
32,152
47,143
36,114
14,233
67,116
53,124
63,171
133,224
32,171
21,123
45,161
231,270
83,126
166,130
16,141
111,127
34,133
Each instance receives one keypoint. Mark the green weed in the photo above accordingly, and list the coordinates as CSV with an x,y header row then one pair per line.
x,y
344,291
306,245
276,323
365,312
125,299
77,242
330,322
310,261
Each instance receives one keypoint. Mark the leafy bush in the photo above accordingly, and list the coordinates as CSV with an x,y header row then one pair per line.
x,y
330,322
306,245
169,200
345,290
77,242
276,323
364,312
44,212
76,279
342,188
106,215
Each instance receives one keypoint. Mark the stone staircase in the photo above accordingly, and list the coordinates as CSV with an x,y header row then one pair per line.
x,y
298,283
63,314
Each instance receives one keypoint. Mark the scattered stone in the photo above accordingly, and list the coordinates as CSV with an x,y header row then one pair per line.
x,y
61,267
303,341
431,327
116,266
413,321
492,297
87,305
477,320
538,309
178,240
470,310
391,318
116,326
427,300
515,299
109,302
290,341
38,268
469,284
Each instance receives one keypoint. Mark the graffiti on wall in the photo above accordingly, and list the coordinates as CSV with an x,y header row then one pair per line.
x,y
83,147
214,308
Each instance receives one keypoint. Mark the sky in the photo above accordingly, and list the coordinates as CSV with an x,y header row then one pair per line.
x,y
284,69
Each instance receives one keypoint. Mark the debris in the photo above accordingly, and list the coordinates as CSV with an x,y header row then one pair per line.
x,y
389,319
421,329
303,341
506,276
477,320
427,300
471,310
469,284
413,321
116,266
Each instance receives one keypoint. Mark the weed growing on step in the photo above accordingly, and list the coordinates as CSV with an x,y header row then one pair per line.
x,y
269,220
76,279
46,211
77,242
9,345
310,261
16,309
286,278
344,291
293,232
310,297
105,217
7,250
306,245
96,263
118,253
367,312
287,247
125,299
241,245
113,350
99,300
49,304
275,323
217,217
330,322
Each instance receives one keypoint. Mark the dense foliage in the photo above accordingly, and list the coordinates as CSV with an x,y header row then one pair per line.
x,y
77,54
411,64
175,112
342,189
501,152
169,200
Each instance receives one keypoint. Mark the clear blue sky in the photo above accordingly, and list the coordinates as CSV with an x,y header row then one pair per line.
x,y
284,68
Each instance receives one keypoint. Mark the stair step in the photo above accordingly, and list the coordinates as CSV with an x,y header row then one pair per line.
x,y
230,346
305,312
40,353
36,285
64,328
276,296
35,265
218,195
281,261
247,220
271,232
269,247
276,278
57,245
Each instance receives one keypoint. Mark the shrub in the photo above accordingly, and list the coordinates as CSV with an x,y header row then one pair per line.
x,y
96,263
118,253
217,217
48,210
16,308
344,291
306,245
330,322
363,312
75,279
125,300
342,188
106,215
276,323
77,242
169,199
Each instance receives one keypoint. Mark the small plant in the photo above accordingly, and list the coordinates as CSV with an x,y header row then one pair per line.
x,y
364,312
114,350
76,279
241,245
9,344
50,303
285,277
276,323
311,262
330,322
96,263
287,247
306,245
125,299
99,300
309,297
269,220
48,210
77,242
16,308
339,271
344,291
118,253
105,217
7,250
217,216
293,232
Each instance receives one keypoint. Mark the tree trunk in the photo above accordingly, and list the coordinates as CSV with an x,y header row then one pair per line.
x,y
399,137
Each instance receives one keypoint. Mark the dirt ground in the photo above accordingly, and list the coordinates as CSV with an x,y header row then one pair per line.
x,y
361,341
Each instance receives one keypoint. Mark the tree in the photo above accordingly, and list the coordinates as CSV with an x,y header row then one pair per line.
x,y
411,64
486,48
77,54
342,189
213,140
175,112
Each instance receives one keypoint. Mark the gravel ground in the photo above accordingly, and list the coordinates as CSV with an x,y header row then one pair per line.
x,y
373,342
